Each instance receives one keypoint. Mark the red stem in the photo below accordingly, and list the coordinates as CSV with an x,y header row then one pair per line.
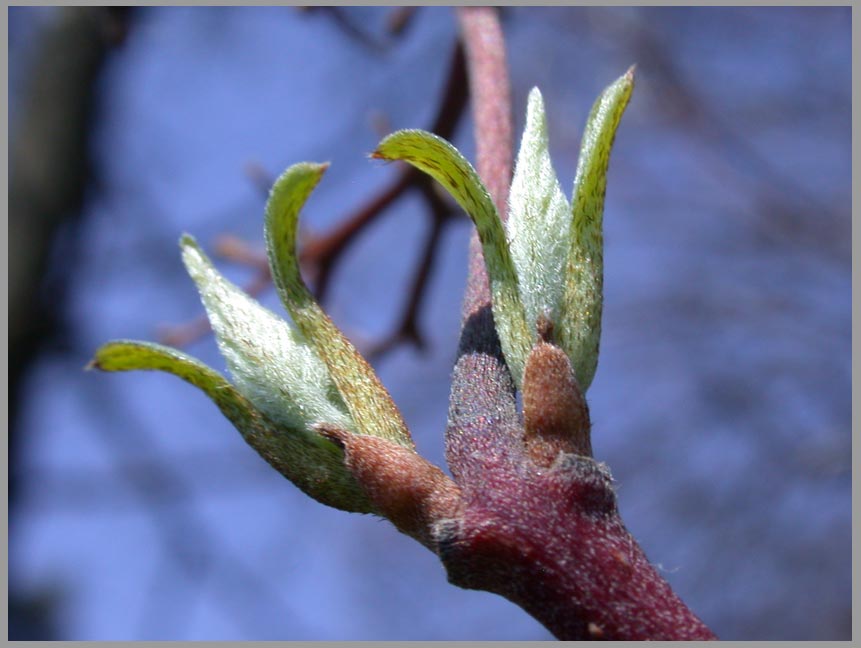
x,y
545,534
491,106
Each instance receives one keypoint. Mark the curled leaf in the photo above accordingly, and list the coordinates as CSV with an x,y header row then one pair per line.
x,y
580,315
443,162
370,406
129,355
538,219
310,461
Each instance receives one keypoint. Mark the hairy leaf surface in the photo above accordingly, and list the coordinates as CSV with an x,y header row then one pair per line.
x,y
310,461
270,362
582,297
371,407
443,162
538,219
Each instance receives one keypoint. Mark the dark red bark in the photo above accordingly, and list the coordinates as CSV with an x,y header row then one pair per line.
x,y
551,540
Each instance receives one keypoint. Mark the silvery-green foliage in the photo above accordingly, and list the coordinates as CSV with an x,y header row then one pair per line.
x,y
445,164
548,262
371,408
270,362
538,219
290,383
582,297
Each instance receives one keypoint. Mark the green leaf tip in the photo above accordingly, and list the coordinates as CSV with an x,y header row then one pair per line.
x,y
444,163
582,295
130,355
370,406
308,459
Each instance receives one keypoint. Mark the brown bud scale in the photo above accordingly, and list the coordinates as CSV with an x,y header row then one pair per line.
x,y
555,415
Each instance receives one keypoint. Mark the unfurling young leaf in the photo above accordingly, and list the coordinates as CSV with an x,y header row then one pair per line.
x,y
271,363
582,297
300,394
289,384
549,267
538,219
310,461
444,163
372,409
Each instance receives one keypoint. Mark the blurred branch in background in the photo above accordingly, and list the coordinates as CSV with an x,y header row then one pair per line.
x,y
786,210
398,21
50,173
51,149
321,253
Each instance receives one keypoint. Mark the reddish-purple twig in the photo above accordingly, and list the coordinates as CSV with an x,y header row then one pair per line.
x,y
538,521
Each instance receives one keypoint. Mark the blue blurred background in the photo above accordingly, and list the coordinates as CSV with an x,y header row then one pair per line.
x,y
722,398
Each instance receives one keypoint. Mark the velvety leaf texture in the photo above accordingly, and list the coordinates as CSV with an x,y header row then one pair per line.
x,y
538,219
129,355
582,297
269,361
311,462
369,404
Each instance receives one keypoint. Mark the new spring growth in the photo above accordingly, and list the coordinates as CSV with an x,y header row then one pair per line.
x,y
548,261
306,400
289,381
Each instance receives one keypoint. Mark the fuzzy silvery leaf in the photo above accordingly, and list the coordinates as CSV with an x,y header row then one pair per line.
x,y
582,299
270,362
444,163
370,406
538,219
